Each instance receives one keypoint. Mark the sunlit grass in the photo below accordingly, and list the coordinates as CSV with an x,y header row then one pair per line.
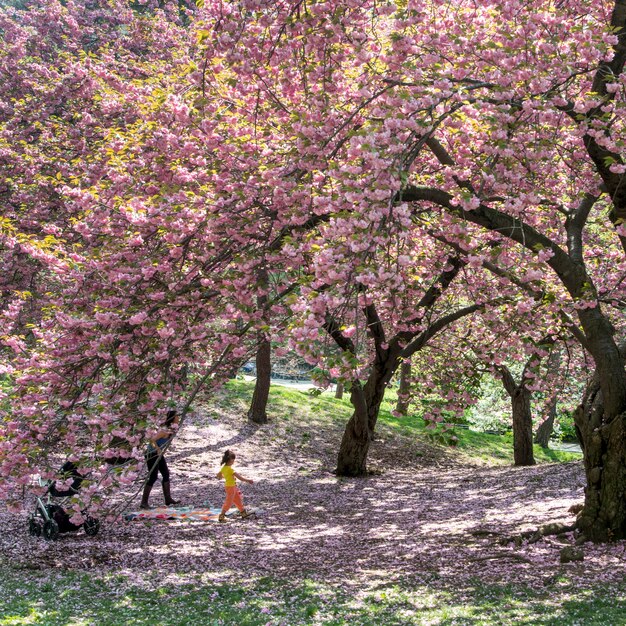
x,y
300,406
82,599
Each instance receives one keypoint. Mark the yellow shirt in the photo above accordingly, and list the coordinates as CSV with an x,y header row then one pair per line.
x,y
229,475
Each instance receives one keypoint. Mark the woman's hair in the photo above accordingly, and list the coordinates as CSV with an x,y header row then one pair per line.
x,y
170,417
228,455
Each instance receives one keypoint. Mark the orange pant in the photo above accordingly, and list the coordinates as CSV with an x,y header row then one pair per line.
x,y
233,496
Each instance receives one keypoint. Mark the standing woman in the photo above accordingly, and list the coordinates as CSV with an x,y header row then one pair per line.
x,y
156,460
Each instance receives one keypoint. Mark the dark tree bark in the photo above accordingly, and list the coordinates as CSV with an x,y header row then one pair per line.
x,y
402,406
603,441
258,407
522,428
339,391
359,431
546,428
522,418
601,425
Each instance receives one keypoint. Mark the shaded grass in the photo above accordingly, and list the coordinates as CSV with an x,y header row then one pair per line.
x,y
81,599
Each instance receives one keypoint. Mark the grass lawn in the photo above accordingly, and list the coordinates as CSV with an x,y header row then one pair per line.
x,y
296,404
76,599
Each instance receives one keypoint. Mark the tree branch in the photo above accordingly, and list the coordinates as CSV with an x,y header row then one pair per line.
x,y
332,328
572,275
422,339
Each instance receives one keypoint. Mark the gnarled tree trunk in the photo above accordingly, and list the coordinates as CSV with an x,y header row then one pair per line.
x,y
603,439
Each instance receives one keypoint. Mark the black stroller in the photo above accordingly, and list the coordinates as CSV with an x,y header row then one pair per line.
x,y
50,519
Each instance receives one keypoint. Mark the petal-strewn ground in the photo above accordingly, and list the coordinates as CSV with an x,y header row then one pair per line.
x,y
423,516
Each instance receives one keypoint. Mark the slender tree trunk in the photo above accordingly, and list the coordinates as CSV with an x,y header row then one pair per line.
x,y
546,428
522,418
258,407
522,427
402,406
339,391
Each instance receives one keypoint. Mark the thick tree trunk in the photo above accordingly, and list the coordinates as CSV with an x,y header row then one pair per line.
x,y
546,428
603,439
339,391
522,427
359,432
601,426
258,407
403,392
355,444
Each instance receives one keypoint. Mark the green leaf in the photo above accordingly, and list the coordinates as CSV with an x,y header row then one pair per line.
x,y
201,35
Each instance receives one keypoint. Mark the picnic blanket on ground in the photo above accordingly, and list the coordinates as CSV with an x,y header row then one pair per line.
x,y
182,513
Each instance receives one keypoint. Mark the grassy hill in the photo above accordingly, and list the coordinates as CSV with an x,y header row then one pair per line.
x,y
300,408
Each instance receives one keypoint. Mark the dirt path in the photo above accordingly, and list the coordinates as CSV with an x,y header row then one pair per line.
x,y
424,517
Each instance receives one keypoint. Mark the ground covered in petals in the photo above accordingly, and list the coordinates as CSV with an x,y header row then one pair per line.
x,y
428,538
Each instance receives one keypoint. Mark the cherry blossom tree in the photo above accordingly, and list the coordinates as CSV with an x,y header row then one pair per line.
x,y
82,82
388,321
581,98
338,142
506,115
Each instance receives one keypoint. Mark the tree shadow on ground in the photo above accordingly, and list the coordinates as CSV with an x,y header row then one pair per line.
x,y
414,519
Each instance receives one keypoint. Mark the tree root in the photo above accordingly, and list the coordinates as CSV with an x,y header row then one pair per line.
x,y
502,555
534,536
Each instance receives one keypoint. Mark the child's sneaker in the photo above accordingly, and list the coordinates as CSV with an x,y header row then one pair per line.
x,y
221,518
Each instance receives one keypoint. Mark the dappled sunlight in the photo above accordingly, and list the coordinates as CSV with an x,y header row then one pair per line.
x,y
298,538
449,522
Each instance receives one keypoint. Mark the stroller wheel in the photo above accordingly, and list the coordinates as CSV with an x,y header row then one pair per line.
x,y
34,527
91,526
50,530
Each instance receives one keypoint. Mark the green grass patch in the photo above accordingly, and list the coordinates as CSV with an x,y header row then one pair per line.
x,y
285,403
488,448
297,405
81,599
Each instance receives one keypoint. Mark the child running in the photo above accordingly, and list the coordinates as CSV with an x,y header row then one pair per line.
x,y
233,495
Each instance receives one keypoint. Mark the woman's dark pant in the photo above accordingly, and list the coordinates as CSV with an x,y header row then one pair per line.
x,y
156,465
